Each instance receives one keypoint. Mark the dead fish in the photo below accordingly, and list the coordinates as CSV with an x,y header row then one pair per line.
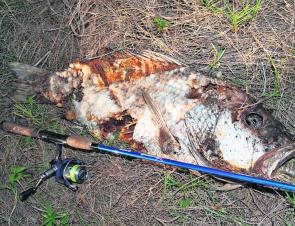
x,y
166,109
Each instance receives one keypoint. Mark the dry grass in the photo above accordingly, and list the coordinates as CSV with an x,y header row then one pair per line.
x,y
123,192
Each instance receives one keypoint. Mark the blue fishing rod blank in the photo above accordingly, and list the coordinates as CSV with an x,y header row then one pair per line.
x,y
216,172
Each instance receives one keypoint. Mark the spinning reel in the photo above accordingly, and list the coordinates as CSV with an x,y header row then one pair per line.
x,y
68,172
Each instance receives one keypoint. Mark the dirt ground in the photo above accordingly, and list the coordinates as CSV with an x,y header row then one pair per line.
x,y
259,57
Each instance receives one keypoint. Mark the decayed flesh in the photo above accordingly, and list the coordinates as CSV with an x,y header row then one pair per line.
x,y
99,73
171,111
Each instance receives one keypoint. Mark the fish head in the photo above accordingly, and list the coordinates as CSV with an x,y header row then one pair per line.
x,y
279,144
233,132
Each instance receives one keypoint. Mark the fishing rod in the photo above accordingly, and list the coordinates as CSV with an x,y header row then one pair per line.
x,y
79,142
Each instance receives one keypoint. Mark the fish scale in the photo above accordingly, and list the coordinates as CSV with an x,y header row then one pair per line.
x,y
203,123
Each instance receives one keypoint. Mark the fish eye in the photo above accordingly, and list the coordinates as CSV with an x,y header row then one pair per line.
x,y
254,120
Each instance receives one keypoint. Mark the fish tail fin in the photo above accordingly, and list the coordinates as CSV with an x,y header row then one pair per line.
x,y
27,81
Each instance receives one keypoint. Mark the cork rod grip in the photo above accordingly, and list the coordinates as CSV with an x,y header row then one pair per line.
x,y
79,142
17,129
73,141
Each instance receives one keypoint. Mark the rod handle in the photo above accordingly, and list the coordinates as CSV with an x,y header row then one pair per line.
x,y
73,141
17,129
79,142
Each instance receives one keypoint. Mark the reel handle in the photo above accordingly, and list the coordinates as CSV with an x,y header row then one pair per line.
x,y
26,194
73,141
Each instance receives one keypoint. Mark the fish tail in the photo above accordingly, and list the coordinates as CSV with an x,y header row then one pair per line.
x,y
27,81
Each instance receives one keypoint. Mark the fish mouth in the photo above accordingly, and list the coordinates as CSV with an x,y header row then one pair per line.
x,y
278,161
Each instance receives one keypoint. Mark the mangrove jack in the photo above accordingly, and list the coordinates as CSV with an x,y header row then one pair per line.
x,y
165,109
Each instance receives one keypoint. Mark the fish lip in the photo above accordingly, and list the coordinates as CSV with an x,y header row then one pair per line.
x,y
271,161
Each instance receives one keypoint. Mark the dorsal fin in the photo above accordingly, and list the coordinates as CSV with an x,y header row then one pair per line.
x,y
121,66
161,57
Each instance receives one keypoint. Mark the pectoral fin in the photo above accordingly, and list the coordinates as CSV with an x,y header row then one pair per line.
x,y
168,143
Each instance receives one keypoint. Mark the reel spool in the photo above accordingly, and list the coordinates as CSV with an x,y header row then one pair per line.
x,y
68,172
75,172
72,172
